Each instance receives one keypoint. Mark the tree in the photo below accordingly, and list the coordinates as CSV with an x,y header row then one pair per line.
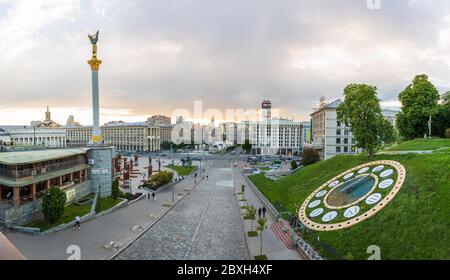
x,y
162,178
419,106
361,109
262,225
447,133
115,191
310,156
250,214
294,165
53,204
389,134
441,120
247,146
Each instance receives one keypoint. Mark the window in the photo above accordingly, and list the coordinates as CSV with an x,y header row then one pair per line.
x,y
353,141
346,132
338,123
338,140
345,140
338,132
338,150
345,149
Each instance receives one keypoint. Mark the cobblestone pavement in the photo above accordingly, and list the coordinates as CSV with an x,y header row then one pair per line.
x,y
204,226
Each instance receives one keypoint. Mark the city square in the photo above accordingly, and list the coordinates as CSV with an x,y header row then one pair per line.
x,y
238,132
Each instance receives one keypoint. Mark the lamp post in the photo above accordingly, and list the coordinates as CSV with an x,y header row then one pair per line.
x,y
98,198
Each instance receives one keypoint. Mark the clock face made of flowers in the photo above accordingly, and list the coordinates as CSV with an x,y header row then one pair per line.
x,y
353,196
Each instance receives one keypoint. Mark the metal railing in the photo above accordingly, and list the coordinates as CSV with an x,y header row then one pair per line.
x,y
29,172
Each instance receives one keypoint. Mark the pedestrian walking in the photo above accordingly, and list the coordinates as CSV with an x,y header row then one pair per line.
x,y
77,222
154,195
259,212
148,195
264,211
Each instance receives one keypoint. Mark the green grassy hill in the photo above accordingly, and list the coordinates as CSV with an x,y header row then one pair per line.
x,y
421,144
415,225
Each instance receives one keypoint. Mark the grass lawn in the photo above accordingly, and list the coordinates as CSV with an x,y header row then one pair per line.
x,y
182,170
421,144
415,225
73,210
70,212
106,203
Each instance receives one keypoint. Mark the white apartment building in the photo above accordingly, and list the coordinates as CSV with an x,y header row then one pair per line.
x,y
139,136
330,136
276,137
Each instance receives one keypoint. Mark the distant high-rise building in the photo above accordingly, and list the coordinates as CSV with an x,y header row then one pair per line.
x,y
266,107
180,120
159,120
71,121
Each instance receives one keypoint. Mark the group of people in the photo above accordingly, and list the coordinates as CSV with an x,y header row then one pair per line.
x,y
152,195
262,211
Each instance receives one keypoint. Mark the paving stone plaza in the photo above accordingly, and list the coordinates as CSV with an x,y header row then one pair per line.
x,y
205,225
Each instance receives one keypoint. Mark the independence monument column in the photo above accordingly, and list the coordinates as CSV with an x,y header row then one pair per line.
x,y
95,66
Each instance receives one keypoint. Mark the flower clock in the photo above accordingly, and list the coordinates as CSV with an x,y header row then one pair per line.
x,y
353,196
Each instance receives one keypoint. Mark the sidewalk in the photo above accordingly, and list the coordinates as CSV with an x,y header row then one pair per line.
x,y
273,246
119,227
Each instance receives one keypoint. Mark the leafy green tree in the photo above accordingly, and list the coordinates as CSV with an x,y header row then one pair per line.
x,y
162,178
250,214
310,156
262,225
441,120
115,191
53,204
294,165
419,106
247,146
361,109
389,134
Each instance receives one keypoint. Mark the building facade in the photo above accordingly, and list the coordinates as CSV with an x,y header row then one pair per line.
x,y
329,135
306,126
25,176
33,136
140,136
165,133
276,137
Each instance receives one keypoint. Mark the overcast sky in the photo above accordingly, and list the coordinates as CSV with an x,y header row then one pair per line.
x,y
161,55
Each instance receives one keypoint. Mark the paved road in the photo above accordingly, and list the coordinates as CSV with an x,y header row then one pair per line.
x,y
205,225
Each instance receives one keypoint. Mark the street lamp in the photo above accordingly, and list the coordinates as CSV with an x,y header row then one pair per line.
x,y
98,198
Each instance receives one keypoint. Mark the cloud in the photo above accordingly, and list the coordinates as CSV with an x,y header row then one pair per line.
x,y
162,55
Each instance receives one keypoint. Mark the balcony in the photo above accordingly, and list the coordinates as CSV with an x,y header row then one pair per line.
x,y
31,172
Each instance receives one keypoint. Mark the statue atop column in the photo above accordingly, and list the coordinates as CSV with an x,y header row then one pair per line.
x,y
94,62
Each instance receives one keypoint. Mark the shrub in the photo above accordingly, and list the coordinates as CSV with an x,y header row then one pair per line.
x,y
115,191
243,188
294,165
447,133
53,204
310,156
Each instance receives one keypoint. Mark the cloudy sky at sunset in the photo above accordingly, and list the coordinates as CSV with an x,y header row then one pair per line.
x,y
161,55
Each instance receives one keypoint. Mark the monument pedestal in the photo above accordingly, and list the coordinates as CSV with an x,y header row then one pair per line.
x,y
101,171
